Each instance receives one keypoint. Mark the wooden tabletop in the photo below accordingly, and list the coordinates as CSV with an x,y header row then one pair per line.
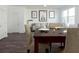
x,y
49,33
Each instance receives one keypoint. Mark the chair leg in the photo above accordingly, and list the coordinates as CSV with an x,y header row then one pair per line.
x,y
46,50
28,50
62,45
50,46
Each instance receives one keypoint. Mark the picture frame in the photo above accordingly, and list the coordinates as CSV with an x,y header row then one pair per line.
x,y
33,14
42,15
51,14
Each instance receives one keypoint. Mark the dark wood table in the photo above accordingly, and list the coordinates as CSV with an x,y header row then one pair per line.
x,y
51,36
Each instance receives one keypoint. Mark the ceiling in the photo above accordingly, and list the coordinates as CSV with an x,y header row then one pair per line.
x,y
48,6
44,6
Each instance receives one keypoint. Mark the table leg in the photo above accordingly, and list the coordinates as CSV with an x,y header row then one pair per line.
x,y
61,44
36,46
64,44
50,46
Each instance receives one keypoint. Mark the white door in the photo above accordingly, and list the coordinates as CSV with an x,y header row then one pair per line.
x,y
3,23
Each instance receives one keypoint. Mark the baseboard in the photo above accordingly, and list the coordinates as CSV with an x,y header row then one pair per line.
x,y
15,33
3,37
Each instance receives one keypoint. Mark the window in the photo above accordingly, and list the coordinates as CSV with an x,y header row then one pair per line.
x,y
64,18
71,16
68,16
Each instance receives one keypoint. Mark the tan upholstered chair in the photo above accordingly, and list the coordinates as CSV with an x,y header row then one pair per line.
x,y
72,41
29,36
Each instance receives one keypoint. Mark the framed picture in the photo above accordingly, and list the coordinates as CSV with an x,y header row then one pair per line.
x,y
33,14
51,14
43,15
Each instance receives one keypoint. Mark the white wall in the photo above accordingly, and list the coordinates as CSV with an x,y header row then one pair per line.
x,y
3,21
15,19
17,15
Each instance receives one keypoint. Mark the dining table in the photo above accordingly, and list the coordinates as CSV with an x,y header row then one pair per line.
x,y
51,36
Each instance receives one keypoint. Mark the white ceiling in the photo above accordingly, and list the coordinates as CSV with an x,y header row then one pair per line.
x,y
48,6
42,6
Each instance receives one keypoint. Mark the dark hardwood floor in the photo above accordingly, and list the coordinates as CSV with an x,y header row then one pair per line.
x,y
16,43
13,43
